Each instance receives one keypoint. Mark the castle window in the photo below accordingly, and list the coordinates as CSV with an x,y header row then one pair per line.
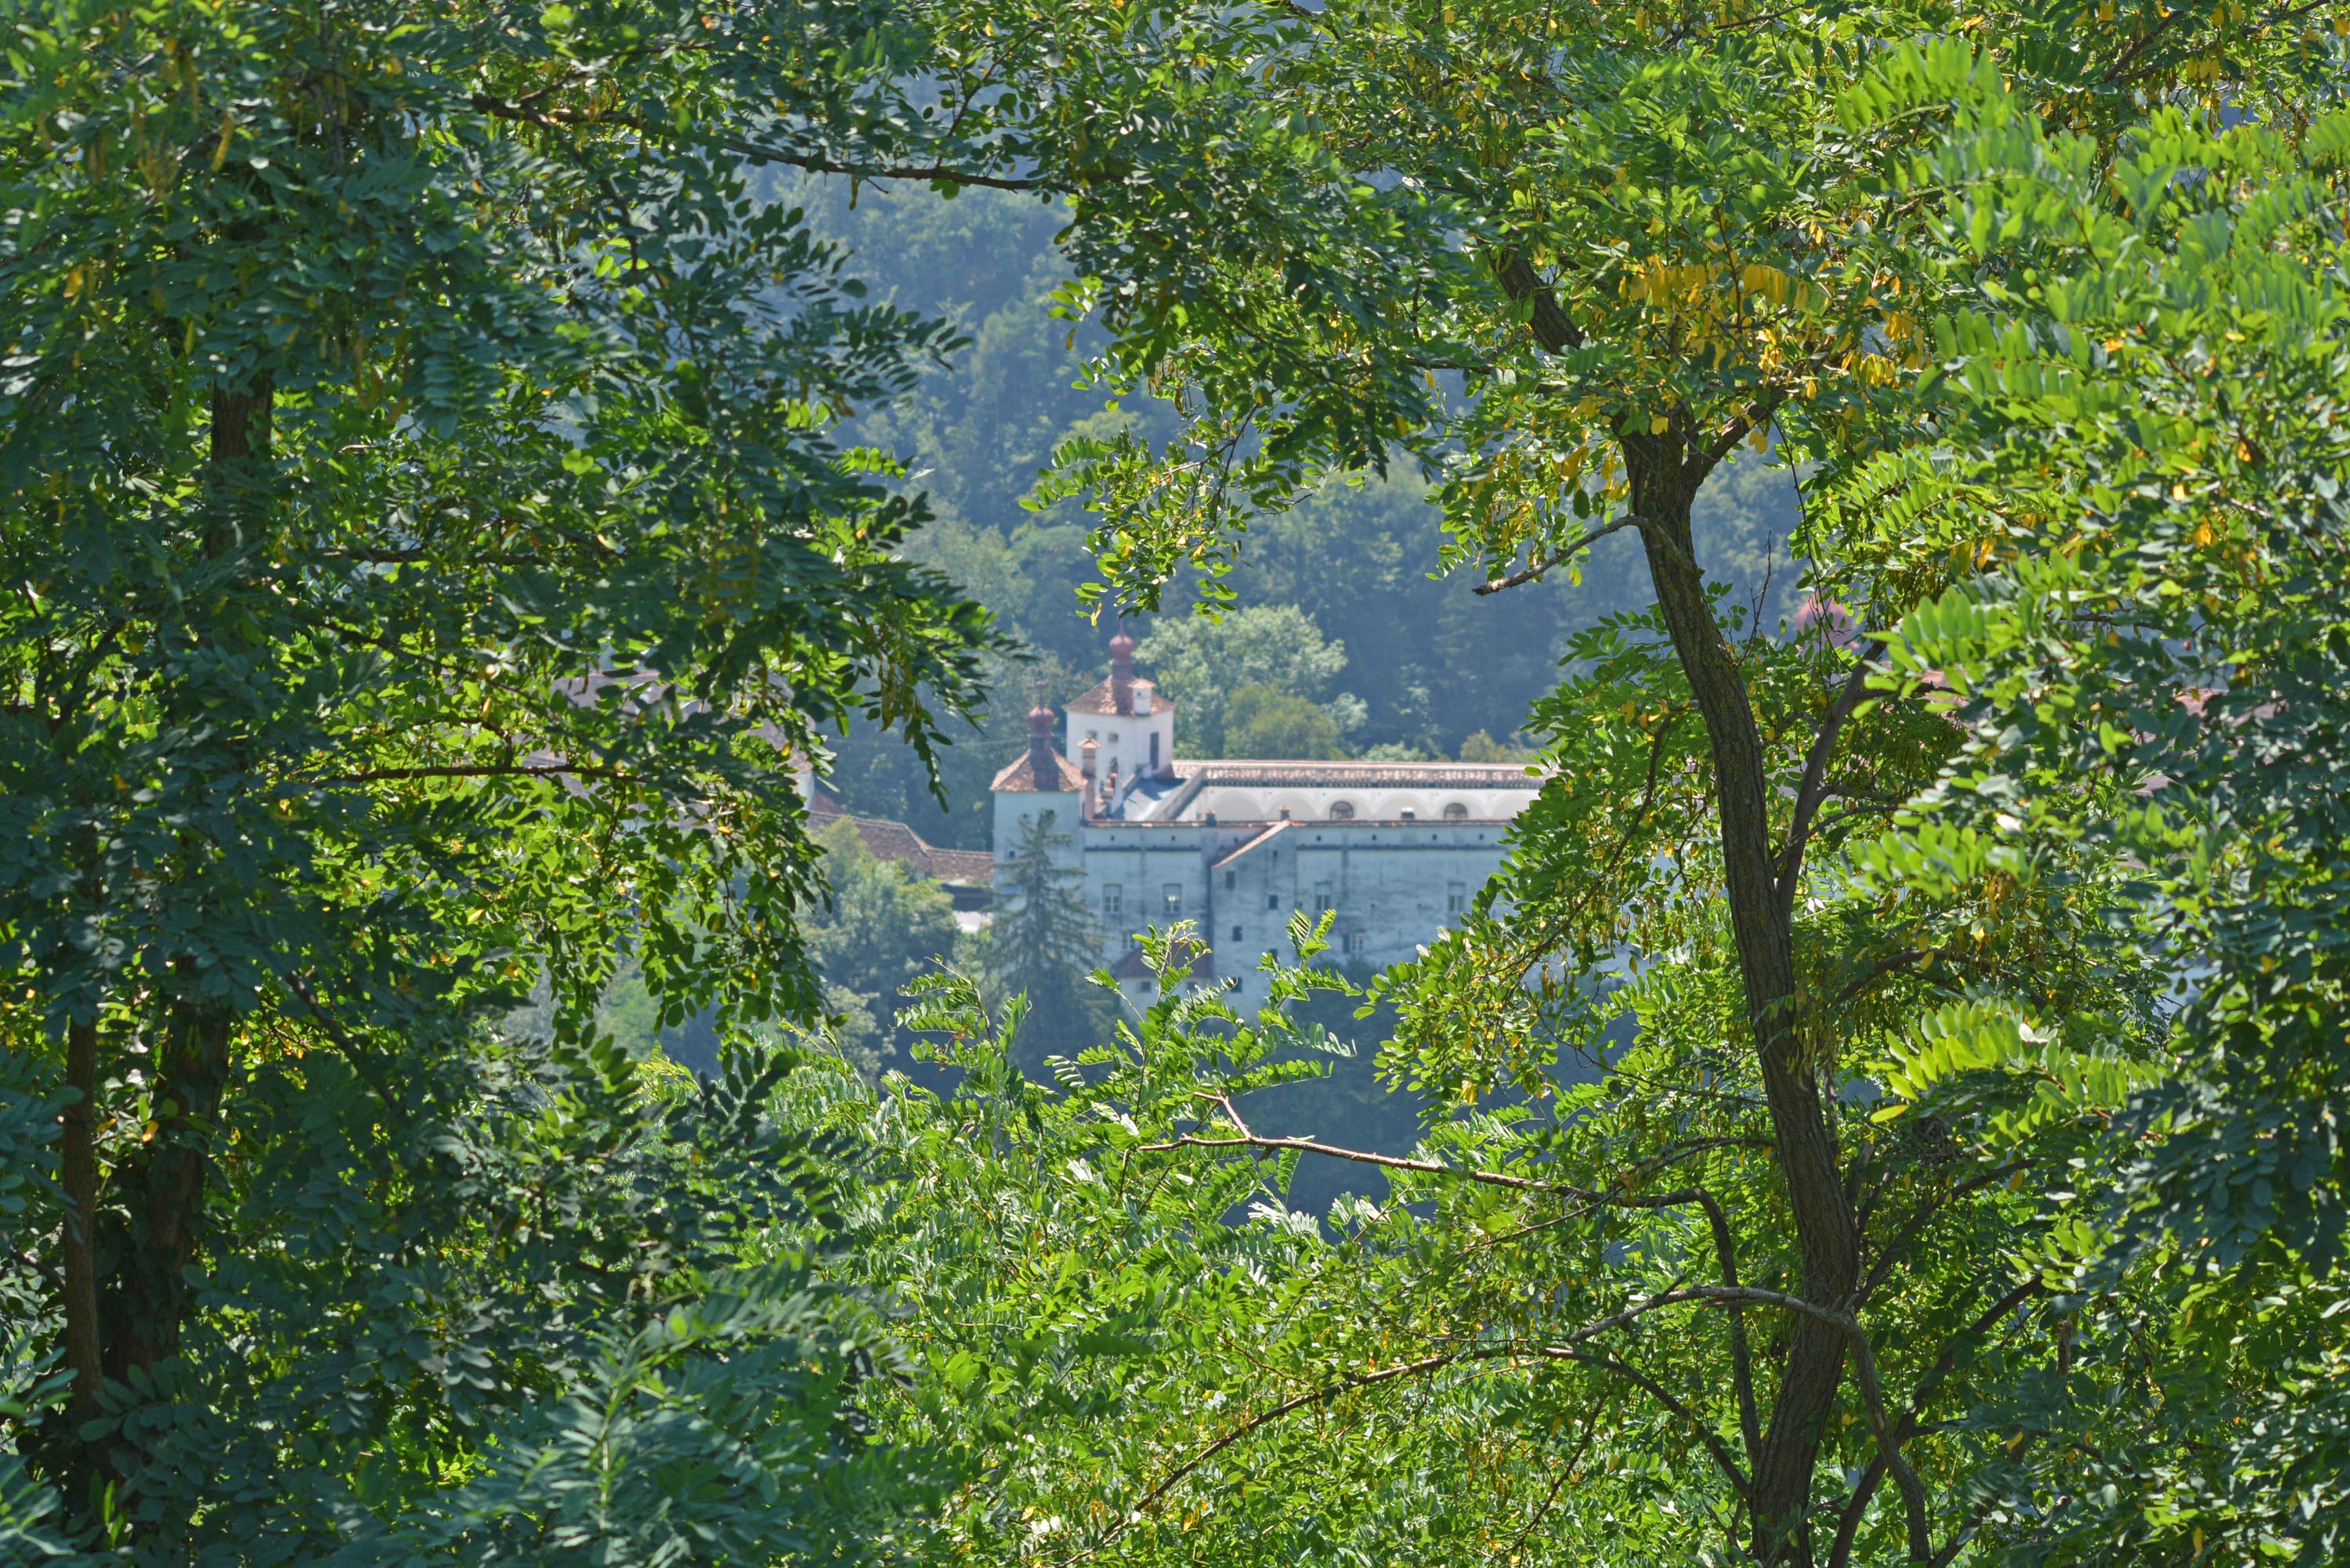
x,y
1456,897
1172,897
1342,811
1113,900
1154,751
1237,936
1321,897
1231,880
1354,943
1455,812
1272,900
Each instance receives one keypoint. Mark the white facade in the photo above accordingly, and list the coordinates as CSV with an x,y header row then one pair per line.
x,y
1395,850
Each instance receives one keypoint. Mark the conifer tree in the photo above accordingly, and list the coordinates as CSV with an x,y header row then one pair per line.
x,y
1044,941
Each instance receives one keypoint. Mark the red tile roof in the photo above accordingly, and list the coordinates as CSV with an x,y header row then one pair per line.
x,y
1018,775
897,843
1103,699
975,866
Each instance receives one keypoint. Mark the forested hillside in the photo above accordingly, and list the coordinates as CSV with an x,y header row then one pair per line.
x,y
460,465
1430,663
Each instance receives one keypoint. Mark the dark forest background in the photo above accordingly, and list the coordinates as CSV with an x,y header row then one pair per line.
x,y
1431,666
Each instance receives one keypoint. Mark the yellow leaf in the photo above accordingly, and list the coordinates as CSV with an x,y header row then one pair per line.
x,y
1659,424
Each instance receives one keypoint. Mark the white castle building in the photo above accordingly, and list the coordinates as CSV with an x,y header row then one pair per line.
x,y
1397,849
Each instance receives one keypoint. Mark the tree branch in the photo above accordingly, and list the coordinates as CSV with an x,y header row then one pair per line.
x,y
1553,328
1814,789
1742,1362
1925,1211
933,173
1248,1139
1722,1458
1736,431
1532,571
485,770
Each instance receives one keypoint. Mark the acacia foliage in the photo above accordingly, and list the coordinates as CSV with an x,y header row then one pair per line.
x,y
2149,673
424,541
1806,1309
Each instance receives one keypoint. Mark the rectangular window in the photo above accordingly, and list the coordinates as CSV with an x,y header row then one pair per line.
x,y
1354,944
1113,900
1321,897
1173,898
1456,897
1154,751
1237,936
1272,900
1231,880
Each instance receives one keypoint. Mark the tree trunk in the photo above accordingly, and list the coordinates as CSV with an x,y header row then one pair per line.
x,y
1663,486
77,1173
161,1189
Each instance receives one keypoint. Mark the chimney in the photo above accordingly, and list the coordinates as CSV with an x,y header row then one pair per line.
x,y
1040,744
1144,693
1088,749
1121,672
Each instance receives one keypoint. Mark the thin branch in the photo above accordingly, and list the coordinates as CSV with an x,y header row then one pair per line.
x,y
1814,789
1926,1210
1364,1156
1848,1523
1248,1139
1723,1459
1872,808
344,1044
1889,1448
933,173
485,769
1590,1431
1315,1396
1532,571
1909,959
1741,1363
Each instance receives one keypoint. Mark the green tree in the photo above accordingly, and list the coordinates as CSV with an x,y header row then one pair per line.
x,y
881,926
2160,387
1045,942
1267,722
1481,747
1204,664
424,527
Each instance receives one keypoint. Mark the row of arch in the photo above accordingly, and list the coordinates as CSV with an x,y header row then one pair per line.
x,y
1239,805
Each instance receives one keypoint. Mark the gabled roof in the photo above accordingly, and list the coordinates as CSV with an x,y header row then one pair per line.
x,y
1021,774
1103,699
973,865
1259,840
897,843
